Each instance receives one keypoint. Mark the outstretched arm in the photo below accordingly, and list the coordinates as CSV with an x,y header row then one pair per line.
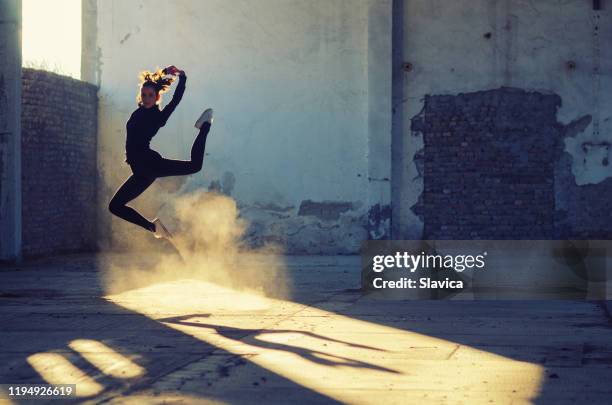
x,y
176,98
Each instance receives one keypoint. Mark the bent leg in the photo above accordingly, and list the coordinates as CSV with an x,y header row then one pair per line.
x,y
132,188
169,167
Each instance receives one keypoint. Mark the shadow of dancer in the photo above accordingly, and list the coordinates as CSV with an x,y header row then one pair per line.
x,y
250,336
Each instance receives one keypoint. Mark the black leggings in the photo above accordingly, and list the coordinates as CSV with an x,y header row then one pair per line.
x,y
146,170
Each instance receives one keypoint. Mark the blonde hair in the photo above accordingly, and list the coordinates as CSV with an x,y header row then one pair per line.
x,y
156,80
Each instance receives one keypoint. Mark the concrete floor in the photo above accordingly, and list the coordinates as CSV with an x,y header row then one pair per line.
x,y
181,340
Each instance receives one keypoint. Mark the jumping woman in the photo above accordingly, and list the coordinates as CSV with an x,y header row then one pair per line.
x,y
147,164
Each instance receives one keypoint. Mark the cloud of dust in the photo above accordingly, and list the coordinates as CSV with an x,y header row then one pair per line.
x,y
207,245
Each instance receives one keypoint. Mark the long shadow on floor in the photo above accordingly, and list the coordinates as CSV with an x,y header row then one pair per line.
x,y
252,338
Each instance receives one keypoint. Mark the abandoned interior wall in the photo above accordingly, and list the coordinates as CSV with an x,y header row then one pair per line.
x,y
299,113
300,139
500,126
59,137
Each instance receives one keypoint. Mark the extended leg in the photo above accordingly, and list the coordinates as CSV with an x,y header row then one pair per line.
x,y
170,167
132,188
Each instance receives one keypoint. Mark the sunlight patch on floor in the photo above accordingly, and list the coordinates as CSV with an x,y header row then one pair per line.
x,y
106,359
324,351
56,369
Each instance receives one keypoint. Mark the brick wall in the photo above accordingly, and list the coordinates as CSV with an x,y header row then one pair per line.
x,y
494,167
59,132
489,165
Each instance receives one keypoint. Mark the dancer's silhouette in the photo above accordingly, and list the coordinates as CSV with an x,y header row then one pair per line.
x,y
147,164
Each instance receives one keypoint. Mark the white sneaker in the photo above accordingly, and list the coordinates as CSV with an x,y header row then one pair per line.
x,y
207,116
160,230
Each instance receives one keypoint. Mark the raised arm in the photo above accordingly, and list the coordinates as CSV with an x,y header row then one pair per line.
x,y
176,98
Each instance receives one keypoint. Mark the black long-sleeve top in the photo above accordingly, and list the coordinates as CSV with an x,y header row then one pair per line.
x,y
145,122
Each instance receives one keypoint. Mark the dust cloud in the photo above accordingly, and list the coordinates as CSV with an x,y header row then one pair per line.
x,y
207,245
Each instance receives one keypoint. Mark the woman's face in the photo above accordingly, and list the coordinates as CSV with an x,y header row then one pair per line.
x,y
148,96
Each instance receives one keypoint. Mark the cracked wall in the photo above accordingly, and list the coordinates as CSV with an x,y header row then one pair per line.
x,y
496,166
546,48
296,97
583,185
310,227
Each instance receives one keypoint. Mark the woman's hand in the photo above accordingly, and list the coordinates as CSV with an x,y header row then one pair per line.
x,y
173,70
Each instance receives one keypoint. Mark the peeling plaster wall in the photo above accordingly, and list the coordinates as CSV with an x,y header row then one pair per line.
x,y
548,46
300,114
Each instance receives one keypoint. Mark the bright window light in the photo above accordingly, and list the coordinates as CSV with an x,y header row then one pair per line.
x,y
51,36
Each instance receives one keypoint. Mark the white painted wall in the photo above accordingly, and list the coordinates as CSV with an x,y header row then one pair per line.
x,y
288,79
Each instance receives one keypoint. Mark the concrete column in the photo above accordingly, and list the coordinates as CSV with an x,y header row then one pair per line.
x,y
90,55
10,130
379,114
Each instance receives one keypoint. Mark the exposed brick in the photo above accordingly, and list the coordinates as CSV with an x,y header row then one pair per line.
x,y
488,165
59,139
